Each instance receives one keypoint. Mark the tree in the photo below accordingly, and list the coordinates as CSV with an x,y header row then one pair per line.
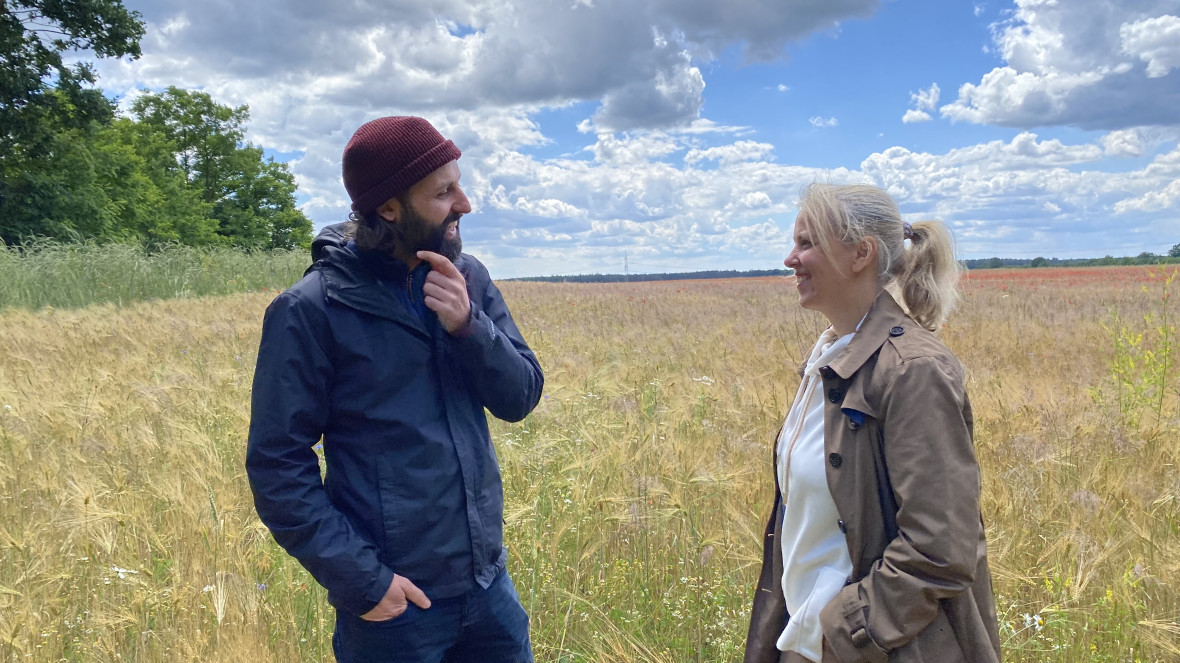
x,y
33,36
48,187
258,208
251,197
1175,252
203,133
178,174
107,181
157,203
70,169
50,181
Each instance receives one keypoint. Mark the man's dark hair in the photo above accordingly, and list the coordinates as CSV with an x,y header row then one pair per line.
x,y
373,233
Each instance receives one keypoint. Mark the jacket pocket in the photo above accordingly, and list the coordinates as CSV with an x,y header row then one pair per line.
x,y
934,644
392,502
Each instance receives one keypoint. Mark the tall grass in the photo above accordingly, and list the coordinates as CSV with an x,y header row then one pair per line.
x,y
636,492
70,275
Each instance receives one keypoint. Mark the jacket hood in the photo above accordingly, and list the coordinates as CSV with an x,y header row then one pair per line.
x,y
333,235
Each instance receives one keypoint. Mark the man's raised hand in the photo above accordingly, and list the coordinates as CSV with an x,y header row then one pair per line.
x,y
446,292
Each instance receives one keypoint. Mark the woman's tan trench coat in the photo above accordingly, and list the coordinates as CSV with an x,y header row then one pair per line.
x,y
902,469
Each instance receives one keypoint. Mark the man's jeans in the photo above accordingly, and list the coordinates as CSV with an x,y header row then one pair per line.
x,y
486,625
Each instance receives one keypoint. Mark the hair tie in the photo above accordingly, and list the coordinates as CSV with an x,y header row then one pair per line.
x,y
908,231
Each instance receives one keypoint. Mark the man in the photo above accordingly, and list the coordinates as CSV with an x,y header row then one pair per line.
x,y
390,348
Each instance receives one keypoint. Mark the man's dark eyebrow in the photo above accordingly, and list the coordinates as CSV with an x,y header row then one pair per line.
x,y
446,183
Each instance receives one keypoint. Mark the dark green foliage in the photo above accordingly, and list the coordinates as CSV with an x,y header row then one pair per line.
x,y
33,36
1145,258
167,208
251,197
100,178
51,182
69,169
179,175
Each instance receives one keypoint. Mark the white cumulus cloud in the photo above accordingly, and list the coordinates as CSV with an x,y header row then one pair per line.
x,y
1151,201
1156,41
912,116
1123,143
743,150
995,196
1094,64
922,101
926,99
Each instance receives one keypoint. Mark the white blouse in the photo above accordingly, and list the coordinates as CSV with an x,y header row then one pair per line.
x,y
815,552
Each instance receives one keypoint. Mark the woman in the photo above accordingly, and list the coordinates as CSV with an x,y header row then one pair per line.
x,y
875,550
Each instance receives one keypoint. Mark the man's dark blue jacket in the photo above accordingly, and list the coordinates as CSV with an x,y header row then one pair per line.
x,y
412,486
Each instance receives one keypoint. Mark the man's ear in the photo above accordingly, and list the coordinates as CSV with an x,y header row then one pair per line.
x,y
391,211
866,254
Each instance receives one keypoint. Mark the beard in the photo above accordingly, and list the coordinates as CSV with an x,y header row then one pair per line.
x,y
419,234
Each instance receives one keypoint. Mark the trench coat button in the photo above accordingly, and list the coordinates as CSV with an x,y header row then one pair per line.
x,y
897,331
835,459
843,527
835,395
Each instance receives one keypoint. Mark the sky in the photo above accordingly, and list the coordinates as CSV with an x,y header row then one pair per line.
x,y
603,136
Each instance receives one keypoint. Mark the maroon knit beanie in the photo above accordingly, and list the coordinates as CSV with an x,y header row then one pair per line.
x,y
389,155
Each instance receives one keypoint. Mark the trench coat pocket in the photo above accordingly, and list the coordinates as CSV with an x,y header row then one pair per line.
x,y
936,642
845,624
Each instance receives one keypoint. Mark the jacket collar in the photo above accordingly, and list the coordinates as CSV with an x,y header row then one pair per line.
x,y
362,280
883,316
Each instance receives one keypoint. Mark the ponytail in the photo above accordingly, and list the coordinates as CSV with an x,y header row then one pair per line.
x,y
929,276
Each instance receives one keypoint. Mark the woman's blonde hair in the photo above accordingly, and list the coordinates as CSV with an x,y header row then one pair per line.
x,y
924,274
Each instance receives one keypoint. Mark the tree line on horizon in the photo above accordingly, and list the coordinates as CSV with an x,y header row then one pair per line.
x,y
176,168
666,276
1145,259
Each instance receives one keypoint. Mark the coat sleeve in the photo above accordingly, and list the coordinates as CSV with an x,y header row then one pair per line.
x,y
932,467
289,408
501,369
